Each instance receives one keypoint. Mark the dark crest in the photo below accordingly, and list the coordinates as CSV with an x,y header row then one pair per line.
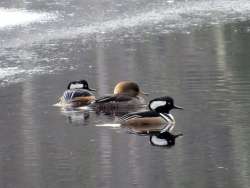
x,y
163,104
80,84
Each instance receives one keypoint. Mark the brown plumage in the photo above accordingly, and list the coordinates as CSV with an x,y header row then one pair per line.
x,y
144,124
127,88
125,96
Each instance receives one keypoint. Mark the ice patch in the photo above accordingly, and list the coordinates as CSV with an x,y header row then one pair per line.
x,y
178,16
11,74
11,71
15,17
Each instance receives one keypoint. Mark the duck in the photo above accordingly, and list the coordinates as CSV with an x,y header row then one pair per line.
x,y
77,94
126,95
163,138
157,118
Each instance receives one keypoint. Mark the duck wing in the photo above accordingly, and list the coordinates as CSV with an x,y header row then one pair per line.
x,y
113,98
71,94
143,114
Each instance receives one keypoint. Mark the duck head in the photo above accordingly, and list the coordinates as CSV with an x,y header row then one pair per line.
x,y
129,88
80,84
163,104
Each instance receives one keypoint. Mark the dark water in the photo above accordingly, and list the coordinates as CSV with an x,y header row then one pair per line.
x,y
195,51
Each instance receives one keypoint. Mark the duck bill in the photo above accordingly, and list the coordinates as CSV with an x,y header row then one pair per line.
x,y
178,107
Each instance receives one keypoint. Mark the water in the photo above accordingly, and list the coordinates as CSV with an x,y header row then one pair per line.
x,y
195,51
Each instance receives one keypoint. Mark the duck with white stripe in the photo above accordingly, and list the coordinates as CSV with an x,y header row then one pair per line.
x,y
157,118
77,94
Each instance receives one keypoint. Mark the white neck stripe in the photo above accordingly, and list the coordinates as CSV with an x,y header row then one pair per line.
x,y
166,117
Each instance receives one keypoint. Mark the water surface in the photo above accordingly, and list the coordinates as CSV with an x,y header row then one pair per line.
x,y
195,51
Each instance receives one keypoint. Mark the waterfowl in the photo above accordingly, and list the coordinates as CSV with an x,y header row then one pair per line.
x,y
77,94
157,118
163,138
126,95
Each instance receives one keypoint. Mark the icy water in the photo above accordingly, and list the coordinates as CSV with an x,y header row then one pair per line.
x,y
194,51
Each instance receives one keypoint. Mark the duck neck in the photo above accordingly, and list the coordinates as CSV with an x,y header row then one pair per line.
x,y
168,117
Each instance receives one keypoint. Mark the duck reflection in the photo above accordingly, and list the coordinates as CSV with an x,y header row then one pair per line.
x,y
163,138
76,116
158,137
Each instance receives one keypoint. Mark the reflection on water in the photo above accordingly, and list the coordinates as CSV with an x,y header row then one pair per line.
x,y
203,71
206,71
105,159
76,116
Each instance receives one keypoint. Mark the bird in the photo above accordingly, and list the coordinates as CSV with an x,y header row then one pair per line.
x,y
163,138
157,118
77,94
126,95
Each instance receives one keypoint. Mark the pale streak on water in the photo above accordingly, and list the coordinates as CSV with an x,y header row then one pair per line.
x,y
195,51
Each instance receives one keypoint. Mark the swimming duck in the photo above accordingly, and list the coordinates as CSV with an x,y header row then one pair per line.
x,y
77,94
126,95
163,138
157,118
